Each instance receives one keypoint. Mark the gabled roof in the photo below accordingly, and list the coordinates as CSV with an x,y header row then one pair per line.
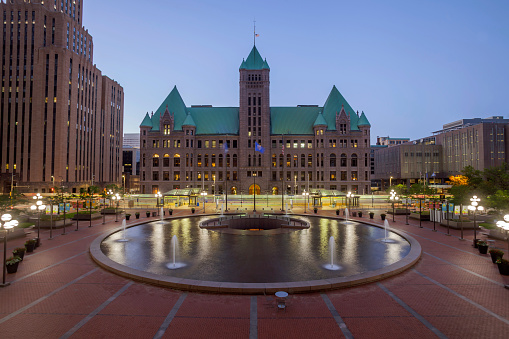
x,y
146,121
320,120
189,121
363,121
254,61
333,104
176,107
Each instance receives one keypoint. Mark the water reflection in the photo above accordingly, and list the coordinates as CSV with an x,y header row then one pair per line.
x,y
294,256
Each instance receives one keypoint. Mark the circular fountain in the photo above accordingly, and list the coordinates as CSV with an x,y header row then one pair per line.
x,y
222,254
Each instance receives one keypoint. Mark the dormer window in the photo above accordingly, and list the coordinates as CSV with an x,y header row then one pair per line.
x,y
167,129
342,128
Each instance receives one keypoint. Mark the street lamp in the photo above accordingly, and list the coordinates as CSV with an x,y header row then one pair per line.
x,y
203,194
306,195
116,198
474,206
7,223
390,181
394,198
349,196
38,206
158,196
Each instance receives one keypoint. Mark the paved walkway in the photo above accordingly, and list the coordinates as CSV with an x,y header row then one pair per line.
x,y
58,292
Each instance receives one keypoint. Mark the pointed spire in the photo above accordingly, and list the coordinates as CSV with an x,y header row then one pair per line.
x,y
146,121
320,120
254,61
363,120
189,121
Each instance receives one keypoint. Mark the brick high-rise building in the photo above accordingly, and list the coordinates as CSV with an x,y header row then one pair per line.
x,y
60,118
324,147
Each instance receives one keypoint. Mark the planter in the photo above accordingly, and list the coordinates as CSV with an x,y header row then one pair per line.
x,y
170,212
495,256
360,214
19,253
192,210
483,249
127,217
30,246
503,269
371,215
316,210
354,214
382,216
148,214
337,212
417,216
12,268
37,242
154,214
137,216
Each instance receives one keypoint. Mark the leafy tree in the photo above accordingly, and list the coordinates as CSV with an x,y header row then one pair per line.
x,y
461,194
499,201
475,177
457,180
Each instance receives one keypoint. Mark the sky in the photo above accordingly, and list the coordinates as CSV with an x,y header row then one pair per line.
x,y
411,66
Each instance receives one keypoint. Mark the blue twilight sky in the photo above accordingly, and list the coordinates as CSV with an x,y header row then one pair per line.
x,y
411,66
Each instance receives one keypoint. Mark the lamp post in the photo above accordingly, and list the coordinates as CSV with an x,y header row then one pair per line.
x,y
474,206
349,196
40,207
390,181
158,196
116,198
203,194
306,195
254,191
394,198
7,224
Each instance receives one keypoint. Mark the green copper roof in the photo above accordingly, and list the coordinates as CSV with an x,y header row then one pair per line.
x,y
189,121
333,106
293,120
176,107
216,120
363,121
320,120
254,61
146,121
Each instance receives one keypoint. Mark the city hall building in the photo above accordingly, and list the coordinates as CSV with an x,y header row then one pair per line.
x,y
255,147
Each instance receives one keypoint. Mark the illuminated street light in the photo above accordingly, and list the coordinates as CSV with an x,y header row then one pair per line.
x,y
474,206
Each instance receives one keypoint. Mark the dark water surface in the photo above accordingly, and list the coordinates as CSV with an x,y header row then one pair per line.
x,y
295,256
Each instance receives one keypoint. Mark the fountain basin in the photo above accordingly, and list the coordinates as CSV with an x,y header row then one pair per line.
x,y
120,263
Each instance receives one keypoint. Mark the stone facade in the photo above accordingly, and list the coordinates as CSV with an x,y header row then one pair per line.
x,y
61,119
324,147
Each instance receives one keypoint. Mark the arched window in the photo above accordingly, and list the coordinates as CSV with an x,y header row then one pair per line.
x,y
235,160
228,160
206,160
166,160
155,160
354,160
249,160
302,160
274,164
259,159
343,160
176,160
220,160
333,160
310,160
198,160
280,160
213,162
295,161
288,160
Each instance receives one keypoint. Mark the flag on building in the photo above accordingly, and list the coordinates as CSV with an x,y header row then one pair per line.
x,y
225,147
283,150
259,148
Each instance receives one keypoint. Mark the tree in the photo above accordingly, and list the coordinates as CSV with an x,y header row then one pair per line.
x,y
499,201
475,177
457,180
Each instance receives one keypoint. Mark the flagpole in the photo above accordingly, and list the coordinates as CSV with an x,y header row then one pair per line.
x,y
282,171
254,179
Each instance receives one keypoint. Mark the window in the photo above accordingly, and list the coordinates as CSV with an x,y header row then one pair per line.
x,y
310,143
343,175
220,160
333,175
166,129
235,162
343,160
176,160
176,176
354,175
333,160
354,160
310,160
198,159
155,160
288,160
302,160
206,144
166,176
166,160
274,160
155,175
